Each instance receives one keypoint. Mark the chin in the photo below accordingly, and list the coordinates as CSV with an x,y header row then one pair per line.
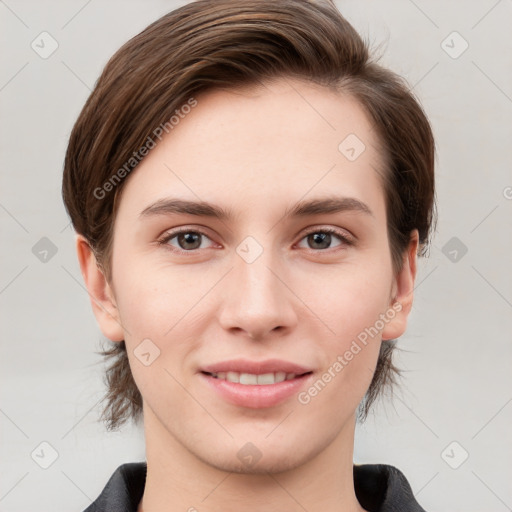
x,y
260,457
278,463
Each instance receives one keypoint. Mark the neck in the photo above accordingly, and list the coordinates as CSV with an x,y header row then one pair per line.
x,y
177,480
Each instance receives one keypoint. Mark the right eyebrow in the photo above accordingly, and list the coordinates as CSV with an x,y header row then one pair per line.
x,y
180,206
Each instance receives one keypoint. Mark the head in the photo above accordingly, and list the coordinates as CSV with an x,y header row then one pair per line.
x,y
255,107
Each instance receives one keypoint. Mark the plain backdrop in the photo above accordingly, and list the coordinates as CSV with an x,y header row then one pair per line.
x,y
449,426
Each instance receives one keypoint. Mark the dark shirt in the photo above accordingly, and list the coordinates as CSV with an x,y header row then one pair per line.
x,y
378,488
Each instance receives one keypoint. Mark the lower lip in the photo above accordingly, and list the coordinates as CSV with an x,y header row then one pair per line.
x,y
256,396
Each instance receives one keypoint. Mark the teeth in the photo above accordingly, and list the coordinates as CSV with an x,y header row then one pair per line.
x,y
267,378
281,376
248,378
253,379
232,377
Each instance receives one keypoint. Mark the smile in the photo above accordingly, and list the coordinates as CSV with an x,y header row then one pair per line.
x,y
253,379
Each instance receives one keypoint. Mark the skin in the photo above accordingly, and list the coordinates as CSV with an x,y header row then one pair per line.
x,y
256,152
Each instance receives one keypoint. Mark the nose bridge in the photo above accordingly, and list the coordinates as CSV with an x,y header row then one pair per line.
x,y
257,301
257,283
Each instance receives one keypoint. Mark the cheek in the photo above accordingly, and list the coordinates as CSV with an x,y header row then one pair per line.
x,y
351,299
151,300
156,315
160,305
351,306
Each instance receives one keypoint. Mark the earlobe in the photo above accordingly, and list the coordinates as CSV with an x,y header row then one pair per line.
x,y
404,291
100,292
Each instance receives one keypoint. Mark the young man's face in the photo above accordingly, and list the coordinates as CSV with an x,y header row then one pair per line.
x,y
262,290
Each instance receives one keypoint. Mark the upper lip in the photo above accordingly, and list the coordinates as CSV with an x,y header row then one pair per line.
x,y
256,367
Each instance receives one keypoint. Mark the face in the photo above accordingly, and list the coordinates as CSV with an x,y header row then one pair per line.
x,y
278,277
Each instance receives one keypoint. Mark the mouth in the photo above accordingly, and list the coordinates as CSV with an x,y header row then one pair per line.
x,y
256,384
253,379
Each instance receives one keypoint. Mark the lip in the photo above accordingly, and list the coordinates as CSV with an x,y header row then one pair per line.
x,y
256,396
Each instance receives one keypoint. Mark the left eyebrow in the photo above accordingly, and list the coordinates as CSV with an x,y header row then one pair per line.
x,y
328,205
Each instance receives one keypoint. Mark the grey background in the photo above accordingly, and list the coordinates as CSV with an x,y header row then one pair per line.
x,y
457,351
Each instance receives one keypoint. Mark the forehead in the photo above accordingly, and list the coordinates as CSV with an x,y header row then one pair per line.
x,y
266,144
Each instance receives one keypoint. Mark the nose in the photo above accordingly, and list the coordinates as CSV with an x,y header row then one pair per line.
x,y
257,300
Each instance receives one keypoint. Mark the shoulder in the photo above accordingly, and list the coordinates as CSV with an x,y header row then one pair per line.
x,y
123,491
384,488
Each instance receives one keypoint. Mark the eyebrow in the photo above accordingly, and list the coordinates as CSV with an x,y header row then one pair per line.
x,y
200,208
328,205
321,206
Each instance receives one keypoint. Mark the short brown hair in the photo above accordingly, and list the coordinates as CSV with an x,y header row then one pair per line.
x,y
211,44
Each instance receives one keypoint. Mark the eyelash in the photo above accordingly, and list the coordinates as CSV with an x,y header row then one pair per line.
x,y
169,236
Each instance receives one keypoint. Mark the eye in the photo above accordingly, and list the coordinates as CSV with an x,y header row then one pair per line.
x,y
322,239
185,240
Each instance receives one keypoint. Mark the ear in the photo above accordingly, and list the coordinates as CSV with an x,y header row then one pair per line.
x,y
403,291
100,292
